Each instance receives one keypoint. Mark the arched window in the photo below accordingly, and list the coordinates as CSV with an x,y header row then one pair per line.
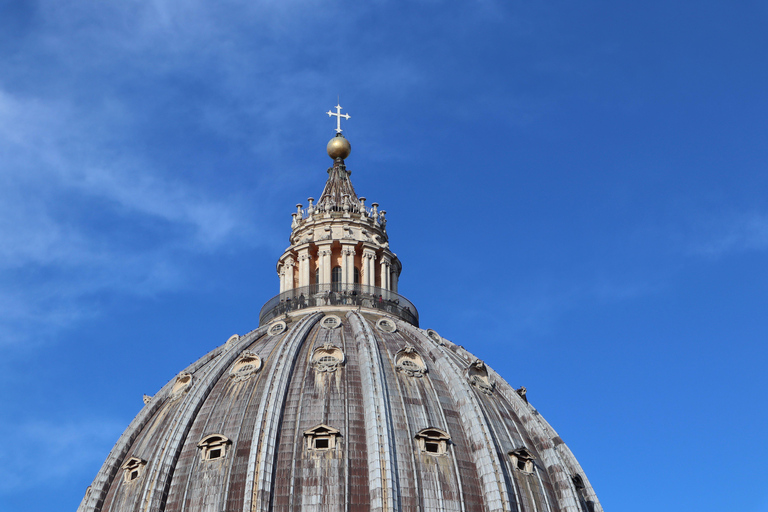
x,y
213,447
336,279
433,441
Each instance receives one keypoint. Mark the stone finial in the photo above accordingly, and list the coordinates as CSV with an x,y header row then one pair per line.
x,y
147,399
374,210
311,207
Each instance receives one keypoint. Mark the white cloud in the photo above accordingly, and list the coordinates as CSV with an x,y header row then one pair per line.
x,y
60,174
86,87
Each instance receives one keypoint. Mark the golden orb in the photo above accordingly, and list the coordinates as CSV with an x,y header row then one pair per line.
x,y
339,147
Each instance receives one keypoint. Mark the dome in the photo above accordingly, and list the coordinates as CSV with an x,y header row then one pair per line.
x,y
339,401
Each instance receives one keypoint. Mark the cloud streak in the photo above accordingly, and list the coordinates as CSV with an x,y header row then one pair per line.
x,y
52,451
734,233
104,108
60,178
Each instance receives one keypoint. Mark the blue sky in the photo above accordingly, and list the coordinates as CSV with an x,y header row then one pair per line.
x,y
577,191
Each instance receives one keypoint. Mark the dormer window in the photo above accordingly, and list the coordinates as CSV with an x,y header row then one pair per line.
x,y
477,374
132,469
181,386
246,366
327,358
409,362
321,437
522,460
213,447
433,441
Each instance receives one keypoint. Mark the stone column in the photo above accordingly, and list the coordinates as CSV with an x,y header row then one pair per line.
x,y
281,275
304,260
347,265
325,266
393,283
385,271
323,261
369,256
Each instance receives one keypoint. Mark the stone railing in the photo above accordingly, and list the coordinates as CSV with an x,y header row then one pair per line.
x,y
340,295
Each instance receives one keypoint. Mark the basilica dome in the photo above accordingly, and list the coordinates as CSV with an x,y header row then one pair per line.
x,y
339,401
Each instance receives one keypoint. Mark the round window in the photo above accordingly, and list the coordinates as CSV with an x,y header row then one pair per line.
x,y
330,322
386,325
276,328
435,337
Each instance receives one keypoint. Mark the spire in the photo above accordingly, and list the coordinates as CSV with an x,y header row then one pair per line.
x,y
339,194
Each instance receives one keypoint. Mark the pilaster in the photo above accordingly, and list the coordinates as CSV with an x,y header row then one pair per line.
x,y
287,275
304,268
324,255
384,267
369,259
347,264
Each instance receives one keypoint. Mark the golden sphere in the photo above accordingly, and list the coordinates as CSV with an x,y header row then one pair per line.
x,y
339,147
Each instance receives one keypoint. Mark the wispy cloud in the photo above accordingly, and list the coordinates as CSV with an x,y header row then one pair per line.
x,y
47,453
535,310
103,106
731,233
67,200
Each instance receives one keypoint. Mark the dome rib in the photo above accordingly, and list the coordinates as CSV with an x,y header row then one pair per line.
x,y
475,426
412,459
564,453
259,481
529,417
426,380
379,429
155,496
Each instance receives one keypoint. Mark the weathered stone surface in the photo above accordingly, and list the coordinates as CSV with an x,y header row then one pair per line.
x,y
375,463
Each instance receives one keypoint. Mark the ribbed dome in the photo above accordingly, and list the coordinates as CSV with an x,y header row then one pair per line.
x,y
339,402
403,419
